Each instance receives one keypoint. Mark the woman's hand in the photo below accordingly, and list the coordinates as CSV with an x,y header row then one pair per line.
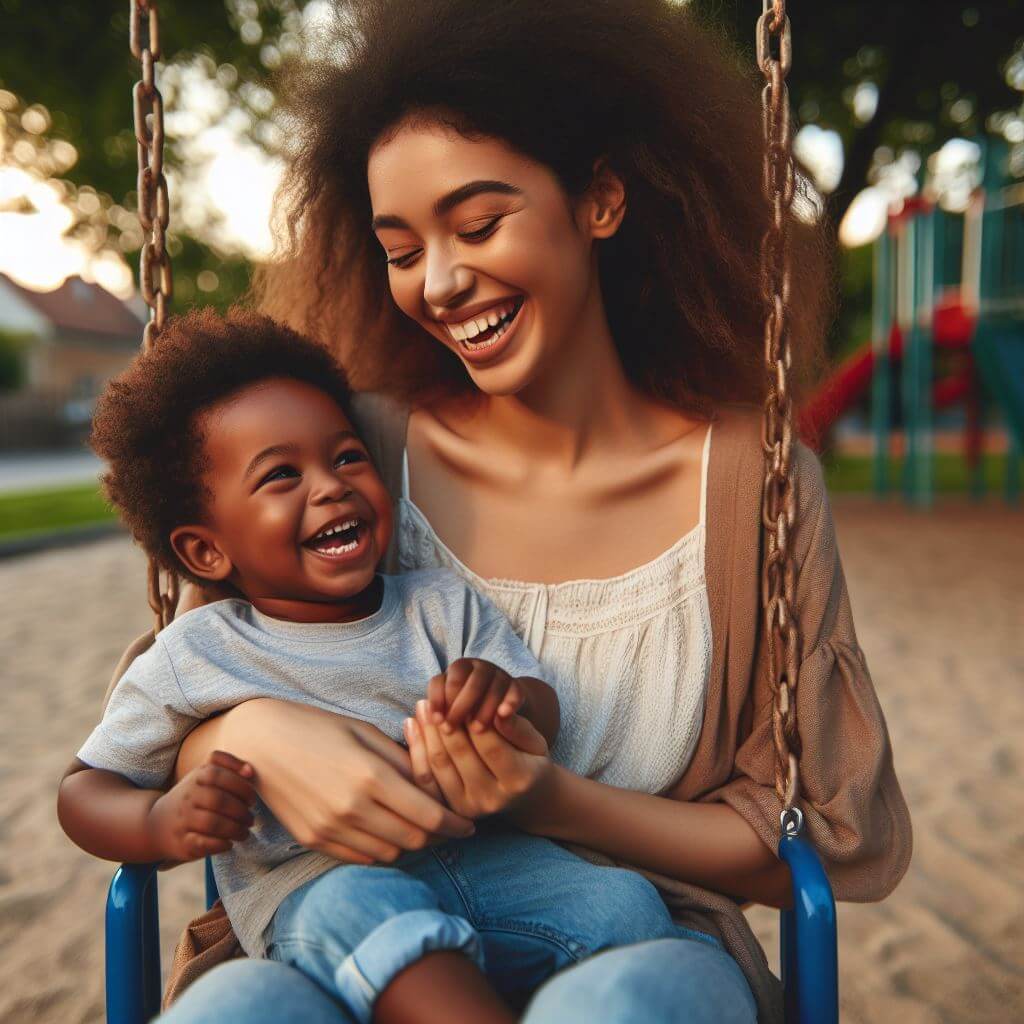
x,y
340,786
505,769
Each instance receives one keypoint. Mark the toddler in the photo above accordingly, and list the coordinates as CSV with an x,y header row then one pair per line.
x,y
233,461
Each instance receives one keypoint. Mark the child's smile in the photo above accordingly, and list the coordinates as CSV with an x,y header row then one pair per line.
x,y
297,516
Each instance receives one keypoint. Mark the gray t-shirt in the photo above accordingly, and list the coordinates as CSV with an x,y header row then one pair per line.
x,y
219,655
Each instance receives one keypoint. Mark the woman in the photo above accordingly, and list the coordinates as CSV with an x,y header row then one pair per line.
x,y
534,227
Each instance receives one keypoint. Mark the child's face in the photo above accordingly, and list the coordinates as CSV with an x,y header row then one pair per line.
x,y
486,252
284,467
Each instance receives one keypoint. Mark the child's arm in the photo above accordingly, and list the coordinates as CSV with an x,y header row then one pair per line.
x,y
476,693
109,817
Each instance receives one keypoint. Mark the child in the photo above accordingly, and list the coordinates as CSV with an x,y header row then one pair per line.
x,y
233,461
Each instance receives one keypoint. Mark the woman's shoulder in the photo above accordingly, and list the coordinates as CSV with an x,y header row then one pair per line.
x,y
738,434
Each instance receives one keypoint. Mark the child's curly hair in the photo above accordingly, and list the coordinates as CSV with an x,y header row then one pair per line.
x,y
147,422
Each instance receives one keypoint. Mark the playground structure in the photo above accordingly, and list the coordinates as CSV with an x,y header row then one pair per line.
x,y
947,328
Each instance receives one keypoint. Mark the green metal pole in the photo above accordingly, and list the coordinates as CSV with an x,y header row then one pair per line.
x,y
1014,453
924,300
908,373
881,386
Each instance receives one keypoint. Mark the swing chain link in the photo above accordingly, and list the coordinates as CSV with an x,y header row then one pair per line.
x,y
778,512
155,278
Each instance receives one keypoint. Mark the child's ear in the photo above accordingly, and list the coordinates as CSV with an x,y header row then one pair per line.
x,y
201,552
606,204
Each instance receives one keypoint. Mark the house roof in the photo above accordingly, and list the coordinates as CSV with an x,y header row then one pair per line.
x,y
80,306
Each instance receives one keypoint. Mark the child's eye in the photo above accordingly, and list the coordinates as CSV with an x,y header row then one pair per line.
x,y
348,456
279,473
481,233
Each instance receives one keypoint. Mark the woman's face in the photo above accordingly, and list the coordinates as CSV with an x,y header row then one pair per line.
x,y
485,251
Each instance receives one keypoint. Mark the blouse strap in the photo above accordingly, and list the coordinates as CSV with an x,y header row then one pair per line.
x,y
704,460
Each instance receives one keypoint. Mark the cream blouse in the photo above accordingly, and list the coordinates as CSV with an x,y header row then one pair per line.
x,y
629,655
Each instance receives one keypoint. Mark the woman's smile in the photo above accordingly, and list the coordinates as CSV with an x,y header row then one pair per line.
x,y
485,336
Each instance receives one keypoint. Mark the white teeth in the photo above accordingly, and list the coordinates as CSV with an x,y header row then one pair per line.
x,y
331,530
340,550
471,328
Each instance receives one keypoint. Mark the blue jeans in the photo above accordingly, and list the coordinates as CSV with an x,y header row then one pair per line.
x,y
523,908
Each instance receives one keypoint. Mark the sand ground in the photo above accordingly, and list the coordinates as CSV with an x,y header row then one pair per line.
x,y
938,599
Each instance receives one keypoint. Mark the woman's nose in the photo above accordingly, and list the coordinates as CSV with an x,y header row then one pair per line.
x,y
447,282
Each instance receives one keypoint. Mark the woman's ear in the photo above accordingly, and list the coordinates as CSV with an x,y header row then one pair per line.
x,y
605,201
201,552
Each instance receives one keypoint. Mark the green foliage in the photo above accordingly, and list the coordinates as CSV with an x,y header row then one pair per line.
x,y
78,66
42,511
12,360
853,325
939,69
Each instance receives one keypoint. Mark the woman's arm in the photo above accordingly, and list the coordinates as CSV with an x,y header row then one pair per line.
x,y
338,785
706,844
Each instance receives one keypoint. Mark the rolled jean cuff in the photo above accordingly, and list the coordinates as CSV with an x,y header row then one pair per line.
x,y
389,949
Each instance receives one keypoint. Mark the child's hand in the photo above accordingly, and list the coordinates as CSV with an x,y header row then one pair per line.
x,y
207,811
475,693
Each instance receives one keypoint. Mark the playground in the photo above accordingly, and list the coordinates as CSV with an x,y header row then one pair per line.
x,y
947,333
937,604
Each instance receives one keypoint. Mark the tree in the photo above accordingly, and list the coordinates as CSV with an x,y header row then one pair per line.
x,y
940,71
69,64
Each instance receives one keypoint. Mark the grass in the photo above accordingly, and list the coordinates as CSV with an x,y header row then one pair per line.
x,y
27,512
44,511
853,474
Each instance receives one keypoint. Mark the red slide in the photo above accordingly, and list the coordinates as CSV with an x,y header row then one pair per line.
x,y
952,327
849,381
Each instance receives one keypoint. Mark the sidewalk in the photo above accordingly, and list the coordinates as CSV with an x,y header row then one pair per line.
x,y
31,471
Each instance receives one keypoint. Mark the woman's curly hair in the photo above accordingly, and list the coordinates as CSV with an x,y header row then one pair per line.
x,y
667,102
148,426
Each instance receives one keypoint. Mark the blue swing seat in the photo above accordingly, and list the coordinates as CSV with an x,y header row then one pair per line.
x,y
809,958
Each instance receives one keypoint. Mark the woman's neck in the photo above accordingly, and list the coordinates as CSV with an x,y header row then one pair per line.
x,y
581,401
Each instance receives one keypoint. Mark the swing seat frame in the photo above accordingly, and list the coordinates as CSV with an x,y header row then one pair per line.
x,y
808,941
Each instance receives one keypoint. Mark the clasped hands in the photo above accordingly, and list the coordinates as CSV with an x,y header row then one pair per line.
x,y
470,745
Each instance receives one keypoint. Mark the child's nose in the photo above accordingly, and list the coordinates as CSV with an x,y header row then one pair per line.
x,y
327,488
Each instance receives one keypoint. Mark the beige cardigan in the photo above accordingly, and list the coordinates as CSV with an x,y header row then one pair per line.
x,y
854,812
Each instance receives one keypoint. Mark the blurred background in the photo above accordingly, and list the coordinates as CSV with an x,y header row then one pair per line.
x,y
911,128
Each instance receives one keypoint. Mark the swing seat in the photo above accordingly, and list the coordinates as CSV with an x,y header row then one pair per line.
x,y
809,959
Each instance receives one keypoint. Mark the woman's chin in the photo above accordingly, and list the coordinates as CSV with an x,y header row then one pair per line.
x,y
508,376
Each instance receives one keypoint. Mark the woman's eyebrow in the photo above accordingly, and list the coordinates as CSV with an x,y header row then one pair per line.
x,y
470,189
448,202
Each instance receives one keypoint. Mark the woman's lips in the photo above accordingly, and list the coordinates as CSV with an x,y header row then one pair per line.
x,y
490,349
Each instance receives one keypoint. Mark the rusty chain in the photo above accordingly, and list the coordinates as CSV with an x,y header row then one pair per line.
x,y
778,512
155,278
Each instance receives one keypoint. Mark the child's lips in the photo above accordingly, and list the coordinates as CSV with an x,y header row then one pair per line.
x,y
343,546
334,527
